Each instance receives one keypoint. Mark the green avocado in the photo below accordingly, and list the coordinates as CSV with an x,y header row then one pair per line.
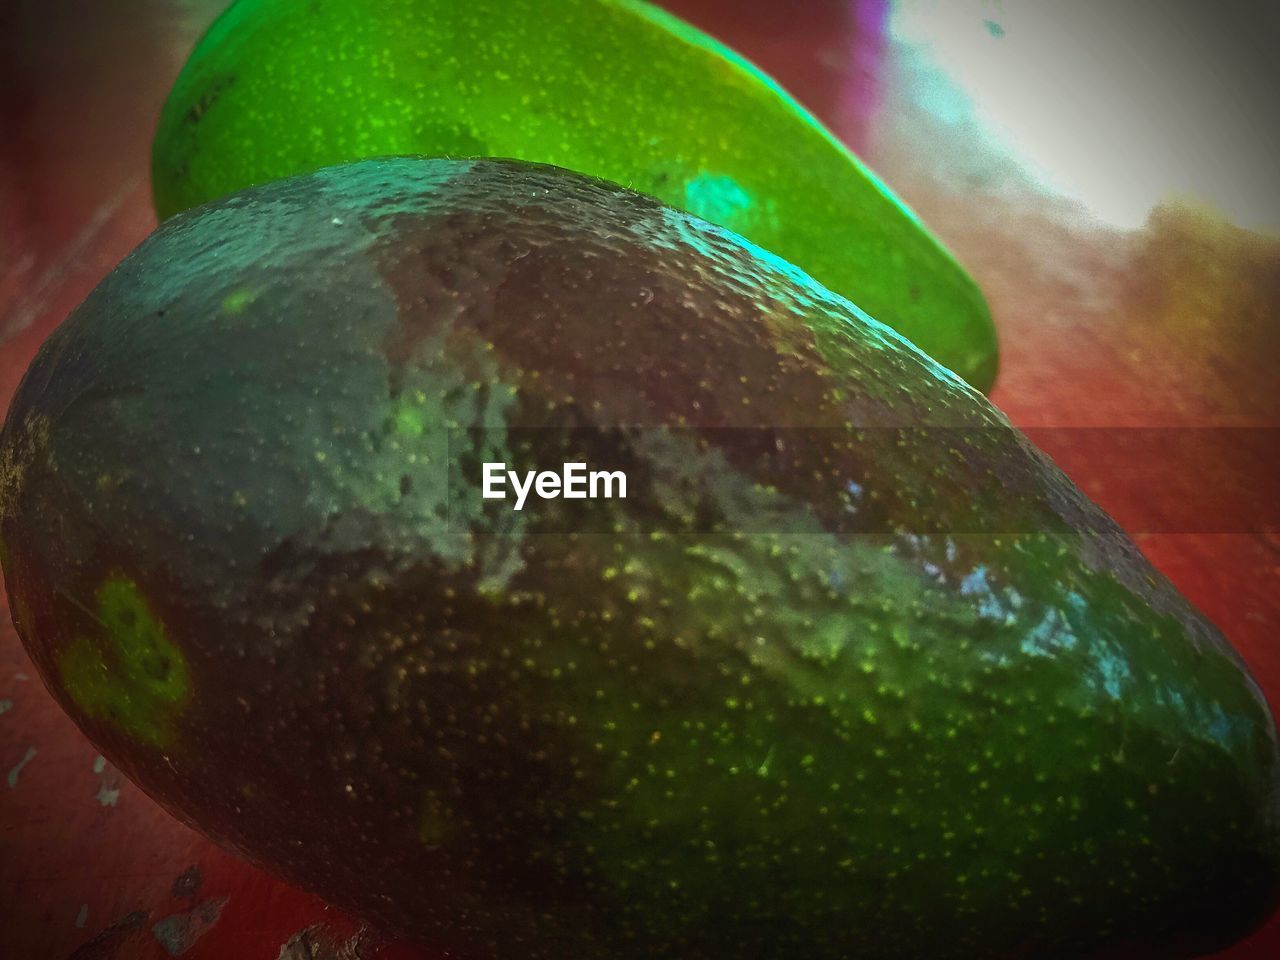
x,y
851,670
617,89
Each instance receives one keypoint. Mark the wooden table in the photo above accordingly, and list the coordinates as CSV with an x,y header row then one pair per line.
x,y
1173,325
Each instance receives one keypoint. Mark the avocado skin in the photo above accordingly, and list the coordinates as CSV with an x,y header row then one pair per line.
x,y
610,88
230,476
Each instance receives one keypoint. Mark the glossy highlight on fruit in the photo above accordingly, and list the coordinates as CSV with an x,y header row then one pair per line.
x,y
760,708
617,89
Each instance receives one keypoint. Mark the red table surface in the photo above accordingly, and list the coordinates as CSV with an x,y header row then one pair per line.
x,y
1175,324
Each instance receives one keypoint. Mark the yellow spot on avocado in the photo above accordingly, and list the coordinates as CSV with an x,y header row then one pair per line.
x,y
132,675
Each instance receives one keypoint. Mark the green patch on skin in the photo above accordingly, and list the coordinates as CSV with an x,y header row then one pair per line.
x,y
409,421
133,674
235,302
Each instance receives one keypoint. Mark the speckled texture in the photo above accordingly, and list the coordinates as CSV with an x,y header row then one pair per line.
x,y
612,88
518,745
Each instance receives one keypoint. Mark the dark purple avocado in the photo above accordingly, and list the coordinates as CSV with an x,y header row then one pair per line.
x,y
852,672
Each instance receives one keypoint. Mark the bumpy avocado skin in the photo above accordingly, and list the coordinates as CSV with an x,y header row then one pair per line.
x,y
611,88
239,549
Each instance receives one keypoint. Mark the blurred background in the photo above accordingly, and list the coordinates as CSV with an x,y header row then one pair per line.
x,y
1106,169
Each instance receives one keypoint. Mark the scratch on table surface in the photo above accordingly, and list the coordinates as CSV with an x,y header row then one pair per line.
x,y
82,917
109,788
72,254
5,706
108,794
178,932
16,770
106,943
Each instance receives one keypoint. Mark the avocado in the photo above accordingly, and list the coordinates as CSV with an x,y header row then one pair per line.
x,y
612,88
851,670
